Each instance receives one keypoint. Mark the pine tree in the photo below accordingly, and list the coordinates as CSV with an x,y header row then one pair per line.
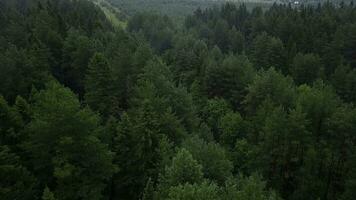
x,y
47,194
16,181
204,191
306,68
101,94
184,169
213,158
71,157
350,186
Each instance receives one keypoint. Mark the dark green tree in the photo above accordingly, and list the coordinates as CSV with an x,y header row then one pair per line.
x,y
270,85
230,79
213,158
268,51
71,157
100,90
16,181
306,68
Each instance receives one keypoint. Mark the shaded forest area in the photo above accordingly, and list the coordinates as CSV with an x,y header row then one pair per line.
x,y
233,105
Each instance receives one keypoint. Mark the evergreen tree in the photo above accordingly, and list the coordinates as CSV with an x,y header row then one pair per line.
x,y
270,85
350,185
100,87
72,157
78,49
204,191
230,79
268,51
213,158
306,68
16,181
11,125
47,194
183,170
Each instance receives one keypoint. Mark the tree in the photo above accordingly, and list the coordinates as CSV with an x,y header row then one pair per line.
x,y
231,126
100,91
350,186
156,81
184,169
159,112
306,68
213,158
11,124
16,181
21,69
72,157
344,82
237,41
251,188
268,51
47,194
221,35
229,79
78,49
318,102
213,112
136,145
270,85
204,191
285,138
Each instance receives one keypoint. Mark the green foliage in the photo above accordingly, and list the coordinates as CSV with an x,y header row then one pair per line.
x,y
100,92
230,79
204,191
73,157
184,169
242,156
285,138
16,181
272,86
157,29
318,103
47,194
268,51
253,188
344,82
21,69
231,126
213,158
306,68
156,81
350,185
212,113
11,124
78,49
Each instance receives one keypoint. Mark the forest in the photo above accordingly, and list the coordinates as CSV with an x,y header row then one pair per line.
x,y
232,104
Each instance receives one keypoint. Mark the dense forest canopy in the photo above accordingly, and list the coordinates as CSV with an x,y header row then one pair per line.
x,y
177,9
233,104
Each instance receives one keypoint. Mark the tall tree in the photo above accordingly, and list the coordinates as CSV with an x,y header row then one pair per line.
x,y
16,181
100,90
268,51
306,68
72,158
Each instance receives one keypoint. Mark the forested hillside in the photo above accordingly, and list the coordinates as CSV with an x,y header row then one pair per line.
x,y
236,104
